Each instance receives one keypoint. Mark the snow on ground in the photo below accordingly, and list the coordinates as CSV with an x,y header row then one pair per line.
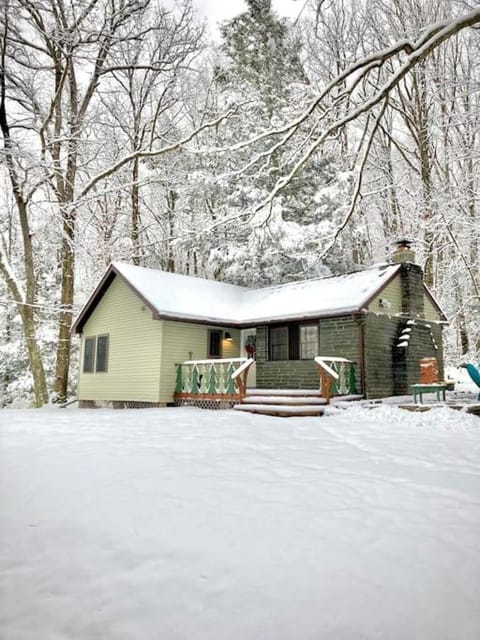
x,y
190,524
463,382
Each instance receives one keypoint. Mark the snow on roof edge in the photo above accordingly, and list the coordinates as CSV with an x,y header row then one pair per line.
x,y
242,296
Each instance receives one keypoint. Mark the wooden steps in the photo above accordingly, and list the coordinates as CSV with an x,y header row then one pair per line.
x,y
284,411
315,393
288,402
283,402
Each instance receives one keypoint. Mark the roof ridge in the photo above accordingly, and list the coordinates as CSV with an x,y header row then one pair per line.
x,y
181,275
333,275
264,288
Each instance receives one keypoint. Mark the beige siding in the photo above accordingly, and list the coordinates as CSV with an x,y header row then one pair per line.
x,y
392,295
431,312
184,341
134,349
231,349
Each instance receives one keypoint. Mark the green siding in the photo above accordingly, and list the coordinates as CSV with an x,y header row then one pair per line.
x,y
282,374
381,337
135,341
431,312
185,341
389,369
341,337
338,337
392,294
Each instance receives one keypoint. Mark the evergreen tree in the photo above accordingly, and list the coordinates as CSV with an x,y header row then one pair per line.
x,y
262,54
262,73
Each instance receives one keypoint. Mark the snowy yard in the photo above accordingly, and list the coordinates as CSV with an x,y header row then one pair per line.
x,y
189,524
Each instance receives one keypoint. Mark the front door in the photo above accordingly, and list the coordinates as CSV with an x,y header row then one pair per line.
x,y
247,350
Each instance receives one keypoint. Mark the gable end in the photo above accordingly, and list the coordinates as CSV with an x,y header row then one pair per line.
x,y
98,294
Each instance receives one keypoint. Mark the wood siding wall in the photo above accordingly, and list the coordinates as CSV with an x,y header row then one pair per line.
x,y
135,341
431,312
185,341
392,295
390,369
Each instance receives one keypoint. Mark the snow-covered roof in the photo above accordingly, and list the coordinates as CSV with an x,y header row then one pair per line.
x,y
188,298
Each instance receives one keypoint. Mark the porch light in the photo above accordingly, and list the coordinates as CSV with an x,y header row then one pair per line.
x,y
228,337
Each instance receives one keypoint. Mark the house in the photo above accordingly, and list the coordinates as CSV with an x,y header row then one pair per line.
x,y
140,325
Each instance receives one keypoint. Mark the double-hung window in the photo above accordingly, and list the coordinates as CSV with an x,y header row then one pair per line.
x,y
293,342
95,354
308,342
101,364
89,355
279,343
215,343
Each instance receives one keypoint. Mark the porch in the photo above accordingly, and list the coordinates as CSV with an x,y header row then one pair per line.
x,y
223,383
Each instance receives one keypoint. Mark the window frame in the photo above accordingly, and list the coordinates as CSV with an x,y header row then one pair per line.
x,y
93,339
292,348
107,352
286,344
211,356
307,326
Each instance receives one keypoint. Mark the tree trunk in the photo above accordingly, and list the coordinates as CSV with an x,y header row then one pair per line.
x,y
35,359
172,197
66,315
26,306
27,314
135,202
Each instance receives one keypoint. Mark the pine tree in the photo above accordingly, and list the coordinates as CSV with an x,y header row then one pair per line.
x,y
262,54
262,73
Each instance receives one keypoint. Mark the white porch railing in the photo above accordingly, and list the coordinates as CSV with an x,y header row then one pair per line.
x,y
222,379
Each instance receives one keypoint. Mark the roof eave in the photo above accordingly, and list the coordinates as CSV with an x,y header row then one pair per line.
x,y
365,304
435,304
93,300
252,322
89,307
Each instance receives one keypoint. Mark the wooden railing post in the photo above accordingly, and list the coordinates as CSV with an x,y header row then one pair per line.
x,y
326,385
241,376
337,376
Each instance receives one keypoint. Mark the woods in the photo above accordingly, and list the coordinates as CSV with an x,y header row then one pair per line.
x,y
281,151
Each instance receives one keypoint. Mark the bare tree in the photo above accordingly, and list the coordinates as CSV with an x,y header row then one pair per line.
x,y
55,59
143,92
25,299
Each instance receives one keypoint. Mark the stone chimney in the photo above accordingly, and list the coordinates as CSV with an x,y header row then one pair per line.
x,y
412,279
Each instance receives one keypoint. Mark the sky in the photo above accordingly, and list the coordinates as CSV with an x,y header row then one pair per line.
x,y
217,10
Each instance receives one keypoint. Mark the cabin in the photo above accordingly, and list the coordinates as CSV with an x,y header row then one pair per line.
x,y
152,338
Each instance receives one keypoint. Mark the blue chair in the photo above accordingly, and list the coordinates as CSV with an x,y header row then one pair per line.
x,y
474,374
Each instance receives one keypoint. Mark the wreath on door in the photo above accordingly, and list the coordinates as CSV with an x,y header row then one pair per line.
x,y
251,346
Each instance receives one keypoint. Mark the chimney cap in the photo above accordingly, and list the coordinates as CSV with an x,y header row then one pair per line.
x,y
403,252
403,244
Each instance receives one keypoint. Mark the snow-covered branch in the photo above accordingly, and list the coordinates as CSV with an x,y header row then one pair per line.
x,y
154,153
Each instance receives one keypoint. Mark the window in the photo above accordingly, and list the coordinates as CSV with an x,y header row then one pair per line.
x,y
279,343
88,355
102,354
293,342
214,344
308,342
